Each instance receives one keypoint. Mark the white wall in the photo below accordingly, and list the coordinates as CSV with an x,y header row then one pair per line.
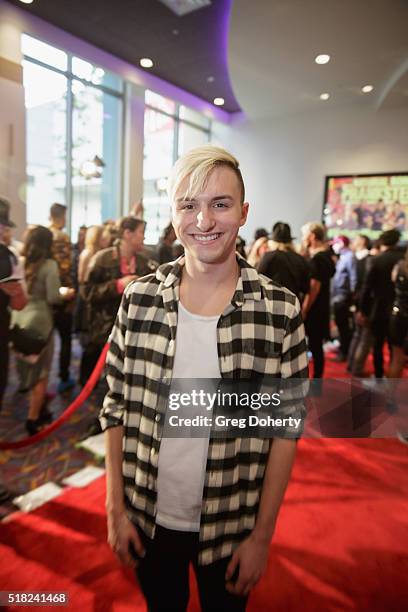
x,y
12,121
284,161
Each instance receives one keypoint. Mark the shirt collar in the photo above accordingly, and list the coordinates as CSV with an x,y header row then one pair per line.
x,y
248,285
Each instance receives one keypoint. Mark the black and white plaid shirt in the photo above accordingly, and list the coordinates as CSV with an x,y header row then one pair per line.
x,y
260,331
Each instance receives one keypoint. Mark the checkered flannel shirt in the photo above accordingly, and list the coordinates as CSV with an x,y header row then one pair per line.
x,y
261,331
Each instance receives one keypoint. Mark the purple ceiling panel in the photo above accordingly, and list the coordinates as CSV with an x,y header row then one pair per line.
x,y
189,51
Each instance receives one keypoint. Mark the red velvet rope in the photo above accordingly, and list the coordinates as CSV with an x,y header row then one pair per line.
x,y
78,401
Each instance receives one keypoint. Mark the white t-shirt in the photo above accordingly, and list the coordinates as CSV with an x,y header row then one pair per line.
x,y
182,461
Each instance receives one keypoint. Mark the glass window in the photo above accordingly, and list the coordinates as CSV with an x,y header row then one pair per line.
x,y
166,138
45,100
190,137
192,116
96,136
44,53
160,102
158,160
95,74
96,125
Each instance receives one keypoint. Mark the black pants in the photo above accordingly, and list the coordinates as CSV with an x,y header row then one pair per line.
x,y
344,322
380,331
163,575
89,359
315,345
63,324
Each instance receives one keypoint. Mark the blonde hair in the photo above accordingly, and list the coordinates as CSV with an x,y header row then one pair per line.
x,y
93,237
259,248
197,165
315,228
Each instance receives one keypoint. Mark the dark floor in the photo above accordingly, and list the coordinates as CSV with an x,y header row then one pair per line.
x,y
54,458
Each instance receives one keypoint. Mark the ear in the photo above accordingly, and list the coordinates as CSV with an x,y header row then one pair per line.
x,y
244,213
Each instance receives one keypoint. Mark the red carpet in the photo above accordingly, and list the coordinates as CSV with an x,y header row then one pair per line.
x,y
341,541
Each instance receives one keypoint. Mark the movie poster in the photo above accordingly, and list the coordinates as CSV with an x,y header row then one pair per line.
x,y
368,204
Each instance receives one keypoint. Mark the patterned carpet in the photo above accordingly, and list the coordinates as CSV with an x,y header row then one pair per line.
x,y
55,457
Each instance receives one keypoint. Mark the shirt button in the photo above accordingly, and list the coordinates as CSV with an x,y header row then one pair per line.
x,y
157,418
152,452
150,486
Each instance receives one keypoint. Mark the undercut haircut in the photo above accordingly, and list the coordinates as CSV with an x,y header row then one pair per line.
x,y
196,166
57,211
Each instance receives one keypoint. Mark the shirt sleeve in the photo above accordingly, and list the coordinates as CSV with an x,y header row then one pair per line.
x,y
98,289
294,351
353,274
112,411
52,284
294,372
316,269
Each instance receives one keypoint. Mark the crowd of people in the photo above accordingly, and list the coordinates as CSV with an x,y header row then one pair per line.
x,y
356,291
77,288
359,286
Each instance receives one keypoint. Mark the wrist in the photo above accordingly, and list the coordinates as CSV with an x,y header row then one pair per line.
x,y
262,535
115,509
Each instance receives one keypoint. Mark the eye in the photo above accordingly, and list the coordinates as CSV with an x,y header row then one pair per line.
x,y
220,204
187,206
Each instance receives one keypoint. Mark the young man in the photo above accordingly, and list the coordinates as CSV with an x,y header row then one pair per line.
x,y
377,295
213,502
62,253
316,305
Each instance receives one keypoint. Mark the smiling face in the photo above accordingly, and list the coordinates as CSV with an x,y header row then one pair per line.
x,y
207,224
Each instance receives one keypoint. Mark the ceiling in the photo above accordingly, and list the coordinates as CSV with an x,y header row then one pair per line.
x,y
186,50
273,43
256,54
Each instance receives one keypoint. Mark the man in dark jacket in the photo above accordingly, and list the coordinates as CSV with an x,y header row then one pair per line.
x,y
377,295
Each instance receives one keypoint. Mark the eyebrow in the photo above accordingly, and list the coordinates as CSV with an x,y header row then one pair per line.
x,y
218,197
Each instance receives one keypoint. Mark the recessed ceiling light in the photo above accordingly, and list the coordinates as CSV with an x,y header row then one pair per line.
x,y
175,32
324,96
367,88
322,59
146,62
27,1
219,101
210,79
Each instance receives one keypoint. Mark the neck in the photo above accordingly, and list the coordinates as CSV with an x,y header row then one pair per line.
x,y
316,247
210,275
125,250
208,288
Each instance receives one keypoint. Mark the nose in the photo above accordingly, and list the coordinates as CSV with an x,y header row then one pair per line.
x,y
205,220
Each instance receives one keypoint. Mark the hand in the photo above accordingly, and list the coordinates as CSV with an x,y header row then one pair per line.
x,y
121,534
67,293
251,557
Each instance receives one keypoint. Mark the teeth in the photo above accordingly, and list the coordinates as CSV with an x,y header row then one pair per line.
x,y
206,238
